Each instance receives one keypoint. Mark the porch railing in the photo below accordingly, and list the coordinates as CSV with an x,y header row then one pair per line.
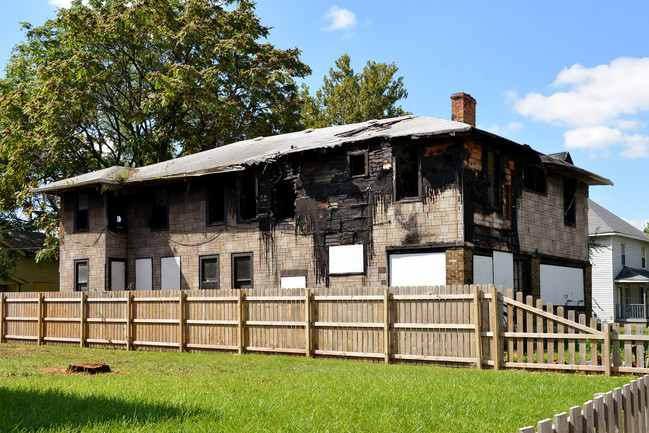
x,y
631,311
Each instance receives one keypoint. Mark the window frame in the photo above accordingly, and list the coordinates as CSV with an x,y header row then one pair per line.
x,y
110,272
234,258
538,175
395,175
153,210
623,254
77,263
201,279
77,210
355,154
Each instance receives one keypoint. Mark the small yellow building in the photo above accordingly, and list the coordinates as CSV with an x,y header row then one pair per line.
x,y
27,275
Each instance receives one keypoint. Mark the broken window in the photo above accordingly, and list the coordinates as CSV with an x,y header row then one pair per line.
x,y
160,211
247,197
534,179
117,206
493,180
209,269
284,200
81,275
358,164
81,213
242,271
216,204
406,173
569,205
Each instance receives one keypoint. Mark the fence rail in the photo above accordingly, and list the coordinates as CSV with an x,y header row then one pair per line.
x,y
623,410
469,325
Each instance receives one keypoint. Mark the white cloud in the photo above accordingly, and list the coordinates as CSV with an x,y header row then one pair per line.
x,y
60,3
599,105
639,224
341,19
511,126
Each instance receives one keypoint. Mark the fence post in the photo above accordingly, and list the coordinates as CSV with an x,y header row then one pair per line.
x,y
386,324
41,311
181,321
82,319
606,348
2,317
496,348
478,329
307,323
129,321
240,330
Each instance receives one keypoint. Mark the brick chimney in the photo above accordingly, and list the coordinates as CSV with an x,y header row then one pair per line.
x,y
463,108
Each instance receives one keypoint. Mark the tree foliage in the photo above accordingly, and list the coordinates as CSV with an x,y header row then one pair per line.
x,y
133,82
349,97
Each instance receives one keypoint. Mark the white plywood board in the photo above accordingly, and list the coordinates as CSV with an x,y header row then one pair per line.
x,y
346,259
170,273
117,275
143,274
293,282
562,285
503,270
418,269
483,270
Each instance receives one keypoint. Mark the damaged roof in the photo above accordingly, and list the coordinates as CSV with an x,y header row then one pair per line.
x,y
235,156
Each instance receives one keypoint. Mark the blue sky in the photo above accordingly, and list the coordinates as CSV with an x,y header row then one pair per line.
x,y
557,75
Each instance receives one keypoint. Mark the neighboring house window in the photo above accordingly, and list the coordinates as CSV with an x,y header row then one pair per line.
x,y
569,202
242,271
160,211
209,272
406,173
358,164
117,206
623,254
216,204
247,205
81,213
493,180
644,260
81,275
284,197
534,179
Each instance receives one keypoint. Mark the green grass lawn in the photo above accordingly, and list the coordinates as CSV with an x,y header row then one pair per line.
x,y
191,392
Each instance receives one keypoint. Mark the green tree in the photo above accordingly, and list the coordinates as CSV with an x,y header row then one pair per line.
x,y
646,228
136,82
349,97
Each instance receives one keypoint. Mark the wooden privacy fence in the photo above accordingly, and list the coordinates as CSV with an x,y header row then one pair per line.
x,y
624,410
470,325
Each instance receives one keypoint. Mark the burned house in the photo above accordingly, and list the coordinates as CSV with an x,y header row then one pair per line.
x,y
403,201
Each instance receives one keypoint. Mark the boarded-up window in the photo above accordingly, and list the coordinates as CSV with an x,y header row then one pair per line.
x,y
143,274
497,269
346,259
293,282
483,270
117,274
562,285
242,270
418,269
170,273
406,173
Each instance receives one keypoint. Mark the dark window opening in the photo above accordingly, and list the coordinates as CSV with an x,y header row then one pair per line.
x,y
522,276
569,199
81,213
358,164
493,180
242,271
406,168
81,275
209,269
644,259
160,211
216,204
284,200
247,197
117,206
534,179
623,254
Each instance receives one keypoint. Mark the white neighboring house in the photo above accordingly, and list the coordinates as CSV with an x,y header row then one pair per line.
x,y
620,269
